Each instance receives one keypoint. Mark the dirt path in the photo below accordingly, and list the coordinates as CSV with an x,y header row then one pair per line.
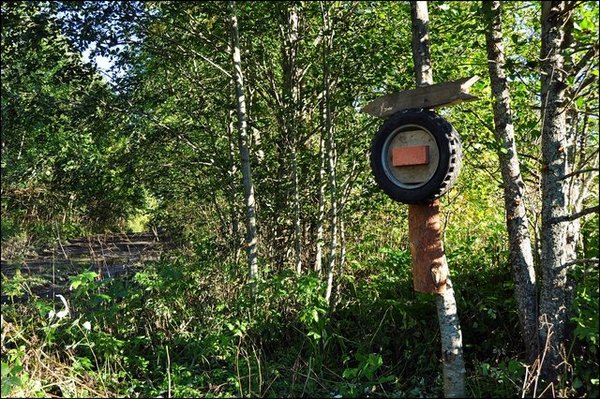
x,y
47,273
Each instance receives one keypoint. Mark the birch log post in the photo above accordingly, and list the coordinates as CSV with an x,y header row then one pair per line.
x,y
424,224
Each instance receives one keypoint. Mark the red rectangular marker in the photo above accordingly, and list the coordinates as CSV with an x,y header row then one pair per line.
x,y
410,156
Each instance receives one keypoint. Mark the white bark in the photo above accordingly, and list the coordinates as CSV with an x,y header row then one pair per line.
x,y
251,234
451,336
521,256
233,198
330,144
420,43
342,262
321,210
452,348
330,152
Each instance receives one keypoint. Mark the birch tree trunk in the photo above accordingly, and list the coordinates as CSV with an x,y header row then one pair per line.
x,y
321,194
243,140
342,258
291,97
232,190
330,145
420,216
521,257
330,151
555,249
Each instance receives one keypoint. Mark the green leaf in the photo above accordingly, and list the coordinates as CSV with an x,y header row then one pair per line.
x,y
515,366
485,369
5,369
586,23
315,315
350,373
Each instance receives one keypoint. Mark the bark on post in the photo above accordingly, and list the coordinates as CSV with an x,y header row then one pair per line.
x,y
555,251
429,266
521,257
243,141
422,222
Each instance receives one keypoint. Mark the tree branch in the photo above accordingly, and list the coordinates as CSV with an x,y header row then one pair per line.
x,y
484,123
571,5
570,218
578,172
580,261
590,55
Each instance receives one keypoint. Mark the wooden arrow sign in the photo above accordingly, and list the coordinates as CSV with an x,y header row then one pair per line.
x,y
434,96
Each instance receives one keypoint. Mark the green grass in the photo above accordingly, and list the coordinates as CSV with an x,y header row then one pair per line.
x,y
187,327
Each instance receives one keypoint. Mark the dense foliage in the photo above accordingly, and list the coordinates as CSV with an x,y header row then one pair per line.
x,y
151,143
63,153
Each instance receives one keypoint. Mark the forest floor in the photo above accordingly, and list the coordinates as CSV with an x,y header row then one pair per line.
x,y
47,270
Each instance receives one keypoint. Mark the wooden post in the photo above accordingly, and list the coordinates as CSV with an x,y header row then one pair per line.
x,y
426,243
429,266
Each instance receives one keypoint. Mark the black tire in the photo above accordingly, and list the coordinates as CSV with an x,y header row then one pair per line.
x,y
450,156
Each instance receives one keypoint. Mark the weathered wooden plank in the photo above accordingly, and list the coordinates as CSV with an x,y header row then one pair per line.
x,y
434,96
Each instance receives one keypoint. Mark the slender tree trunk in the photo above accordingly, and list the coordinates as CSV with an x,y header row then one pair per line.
x,y
578,188
330,152
421,216
330,144
321,211
331,259
556,251
342,258
254,134
420,43
521,257
233,198
297,219
251,234
290,121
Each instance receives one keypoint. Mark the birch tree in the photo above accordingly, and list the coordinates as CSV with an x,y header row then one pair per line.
x,y
321,199
329,150
427,217
521,257
243,141
559,223
290,121
554,190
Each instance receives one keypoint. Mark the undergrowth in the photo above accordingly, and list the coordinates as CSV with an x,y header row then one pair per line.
x,y
187,326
